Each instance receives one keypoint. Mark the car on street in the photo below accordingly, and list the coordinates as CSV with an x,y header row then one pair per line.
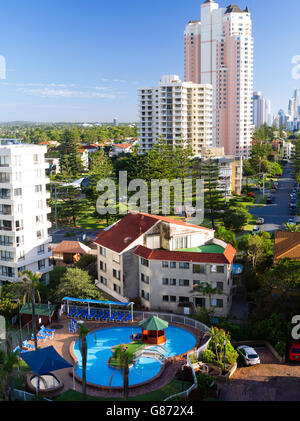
x,y
291,221
249,355
294,352
260,221
269,200
256,230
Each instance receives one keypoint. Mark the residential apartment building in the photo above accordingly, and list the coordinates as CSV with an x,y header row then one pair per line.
x,y
175,110
230,169
218,50
261,110
162,261
24,238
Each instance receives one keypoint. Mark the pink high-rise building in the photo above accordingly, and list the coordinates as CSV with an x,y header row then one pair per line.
x,y
218,49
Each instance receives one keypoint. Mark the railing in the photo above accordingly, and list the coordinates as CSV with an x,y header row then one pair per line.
x,y
168,317
21,395
195,384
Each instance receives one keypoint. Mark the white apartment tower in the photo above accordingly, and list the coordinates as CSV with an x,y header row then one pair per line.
x,y
24,239
218,50
176,110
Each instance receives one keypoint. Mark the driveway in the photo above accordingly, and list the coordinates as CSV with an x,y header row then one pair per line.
x,y
277,214
269,381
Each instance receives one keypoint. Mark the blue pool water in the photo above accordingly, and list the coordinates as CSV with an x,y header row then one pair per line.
x,y
179,341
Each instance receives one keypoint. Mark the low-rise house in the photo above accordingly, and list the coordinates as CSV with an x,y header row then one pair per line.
x,y
70,251
163,261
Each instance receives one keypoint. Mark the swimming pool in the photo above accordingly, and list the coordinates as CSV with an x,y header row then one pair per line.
x,y
100,342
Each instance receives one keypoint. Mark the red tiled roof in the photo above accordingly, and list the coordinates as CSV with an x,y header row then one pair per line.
x,y
125,232
179,256
131,227
122,145
71,247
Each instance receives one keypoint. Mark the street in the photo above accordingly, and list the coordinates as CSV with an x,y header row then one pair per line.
x,y
277,214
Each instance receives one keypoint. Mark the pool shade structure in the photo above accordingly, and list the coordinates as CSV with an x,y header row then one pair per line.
x,y
110,304
44,361
154,331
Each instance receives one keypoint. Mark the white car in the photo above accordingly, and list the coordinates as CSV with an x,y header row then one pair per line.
x,y
249,355
256,230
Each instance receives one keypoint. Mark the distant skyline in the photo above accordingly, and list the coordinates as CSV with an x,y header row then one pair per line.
x,y
83,61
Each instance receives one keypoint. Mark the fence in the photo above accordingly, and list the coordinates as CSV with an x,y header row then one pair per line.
x,y
189,363
168,317
21,395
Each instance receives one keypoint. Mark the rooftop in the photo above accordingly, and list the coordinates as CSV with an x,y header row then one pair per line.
x,y
209,248
286,245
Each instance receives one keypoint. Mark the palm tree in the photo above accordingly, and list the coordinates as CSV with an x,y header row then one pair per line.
x,y
121,356
206,289
83,332
30,281
8,362
291,227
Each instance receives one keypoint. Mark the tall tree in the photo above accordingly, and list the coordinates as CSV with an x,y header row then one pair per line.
x,y
29,286
70,157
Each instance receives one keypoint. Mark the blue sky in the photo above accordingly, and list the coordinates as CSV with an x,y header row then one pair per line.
x,y
83,60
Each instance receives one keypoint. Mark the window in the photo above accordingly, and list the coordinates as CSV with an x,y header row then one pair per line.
x,y
217,303
38,188
184,282
39,235
165,264
217,269
39,219
172,299
41,249
220,286
6,271
145,279
184,299
180,243
5,210
200,302
165,298
103,280
36,159
17,192
102,266
4,161
103,251
198,268
117,289
173,265
165,281
4,194
22,255
184,265
4,177
19,225
117,274
173,282
116,258
145,295
20,241
7,256
5,225
144,262
5,240
42,264
21,269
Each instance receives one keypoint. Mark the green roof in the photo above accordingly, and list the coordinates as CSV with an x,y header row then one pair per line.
x,y
154,323
40,309
210,248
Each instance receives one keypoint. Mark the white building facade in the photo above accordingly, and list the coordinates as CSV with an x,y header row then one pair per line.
x,y
24,238
175,110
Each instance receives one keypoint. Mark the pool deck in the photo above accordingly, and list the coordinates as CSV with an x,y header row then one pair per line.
x,y
63,340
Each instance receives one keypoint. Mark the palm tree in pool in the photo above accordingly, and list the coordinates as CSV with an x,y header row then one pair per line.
x,y
83,332
121,357
30,282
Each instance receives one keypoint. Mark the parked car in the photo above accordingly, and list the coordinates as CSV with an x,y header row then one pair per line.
x,y
260,221
294,352
256,230
291,221
269,200
249,355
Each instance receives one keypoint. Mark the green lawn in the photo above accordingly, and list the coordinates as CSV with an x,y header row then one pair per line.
x,y
159,395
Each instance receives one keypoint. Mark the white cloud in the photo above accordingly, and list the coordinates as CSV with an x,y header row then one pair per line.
x,y
65,93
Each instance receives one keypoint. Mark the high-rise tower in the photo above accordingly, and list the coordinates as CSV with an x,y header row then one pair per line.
x,y
219,51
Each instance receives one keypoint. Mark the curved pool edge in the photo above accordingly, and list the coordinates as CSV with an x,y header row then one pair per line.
x,y
170,360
